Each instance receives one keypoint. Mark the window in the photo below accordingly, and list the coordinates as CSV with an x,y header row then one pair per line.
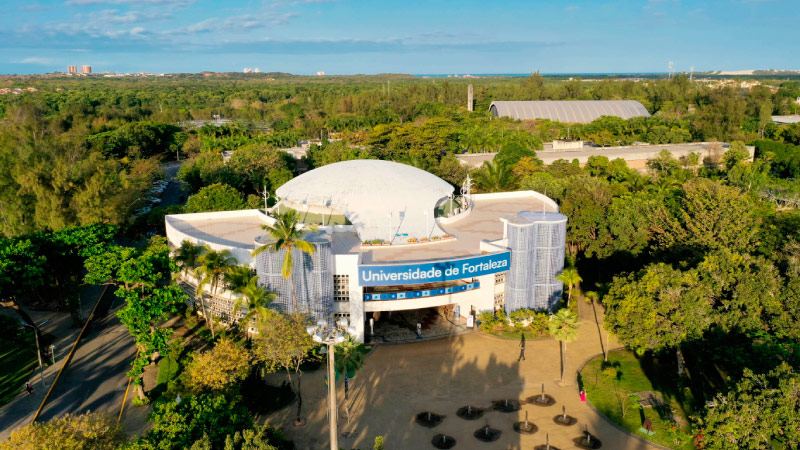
x,y
341,288
499,298
500,277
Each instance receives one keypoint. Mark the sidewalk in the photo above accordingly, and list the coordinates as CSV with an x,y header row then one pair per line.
x,y
20,411
398,382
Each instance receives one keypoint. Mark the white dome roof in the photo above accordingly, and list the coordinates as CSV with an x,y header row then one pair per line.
x,y
380,198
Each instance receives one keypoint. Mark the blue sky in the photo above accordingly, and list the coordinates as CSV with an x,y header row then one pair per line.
x,y
363,36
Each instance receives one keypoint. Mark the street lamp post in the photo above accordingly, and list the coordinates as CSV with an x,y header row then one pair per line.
x,y
331,334
38,351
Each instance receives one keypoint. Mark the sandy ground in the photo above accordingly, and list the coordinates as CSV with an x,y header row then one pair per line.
x,y
399,381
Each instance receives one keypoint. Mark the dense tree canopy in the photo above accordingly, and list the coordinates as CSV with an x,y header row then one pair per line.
x,y
88,431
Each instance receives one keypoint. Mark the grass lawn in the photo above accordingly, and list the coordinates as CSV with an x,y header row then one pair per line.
x,y
606,392
17,364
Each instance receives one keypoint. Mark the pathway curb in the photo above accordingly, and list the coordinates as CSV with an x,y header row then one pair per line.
x,y
603,416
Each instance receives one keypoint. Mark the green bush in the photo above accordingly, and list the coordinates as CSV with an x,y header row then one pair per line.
x,y
490,320
217,197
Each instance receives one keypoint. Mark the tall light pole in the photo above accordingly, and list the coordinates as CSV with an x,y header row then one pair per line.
x,y
331,334
38,351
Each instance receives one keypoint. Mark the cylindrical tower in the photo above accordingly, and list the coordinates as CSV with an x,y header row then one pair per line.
x,y
312,274
537,241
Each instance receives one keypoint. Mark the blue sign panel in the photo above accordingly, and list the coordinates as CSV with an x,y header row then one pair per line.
x,y
420,294
454,269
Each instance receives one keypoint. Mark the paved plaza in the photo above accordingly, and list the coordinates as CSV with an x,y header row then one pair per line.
x,y
399,381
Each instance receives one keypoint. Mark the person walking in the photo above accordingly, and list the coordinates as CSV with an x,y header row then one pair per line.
x,y
28,387
583,395
521,349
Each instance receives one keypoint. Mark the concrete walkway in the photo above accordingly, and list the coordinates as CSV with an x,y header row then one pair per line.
x,y
95,379
59,325
399,381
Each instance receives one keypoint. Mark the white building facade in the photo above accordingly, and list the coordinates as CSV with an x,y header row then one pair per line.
x,y
391,237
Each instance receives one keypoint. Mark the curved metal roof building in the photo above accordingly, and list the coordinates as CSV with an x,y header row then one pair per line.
x,y
380,198
573,111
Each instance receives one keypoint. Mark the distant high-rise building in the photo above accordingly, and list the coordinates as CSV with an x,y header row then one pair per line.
x,y
85,69
247,70
320,74
72,69
256,70
470,101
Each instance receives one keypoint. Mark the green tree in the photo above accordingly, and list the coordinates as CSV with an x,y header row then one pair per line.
x,y
261,437
735,154
494,177
512,152
144,280
220,368
201,417
663,164
256,299
187,257
213,265
237,277
287,236
691,162
563,327
217,197
571,278
658,308
349,359
708,216
586,201
282,343
88,431
630,222
21,271
719,114
760,412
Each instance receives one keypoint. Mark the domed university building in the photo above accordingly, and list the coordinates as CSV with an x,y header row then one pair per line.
x,y
391,238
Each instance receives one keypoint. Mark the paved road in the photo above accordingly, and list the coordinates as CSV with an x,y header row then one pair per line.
x,y
95,380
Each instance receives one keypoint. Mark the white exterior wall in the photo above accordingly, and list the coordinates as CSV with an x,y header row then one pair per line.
x,y
347,264
243,255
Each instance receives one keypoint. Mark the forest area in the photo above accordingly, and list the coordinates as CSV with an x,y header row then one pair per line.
x,y
693,261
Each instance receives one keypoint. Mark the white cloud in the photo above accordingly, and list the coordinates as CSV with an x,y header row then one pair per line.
x,y
113,16
37,60
235,23
128,2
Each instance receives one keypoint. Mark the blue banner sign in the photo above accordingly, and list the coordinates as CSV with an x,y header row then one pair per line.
x,y
419,294
431,272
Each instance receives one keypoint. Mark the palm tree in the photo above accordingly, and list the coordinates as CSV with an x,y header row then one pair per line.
x,y
286,236
570,277
348,358
256,299
495,177
238,277
563,327
187,256
593,297
213,265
